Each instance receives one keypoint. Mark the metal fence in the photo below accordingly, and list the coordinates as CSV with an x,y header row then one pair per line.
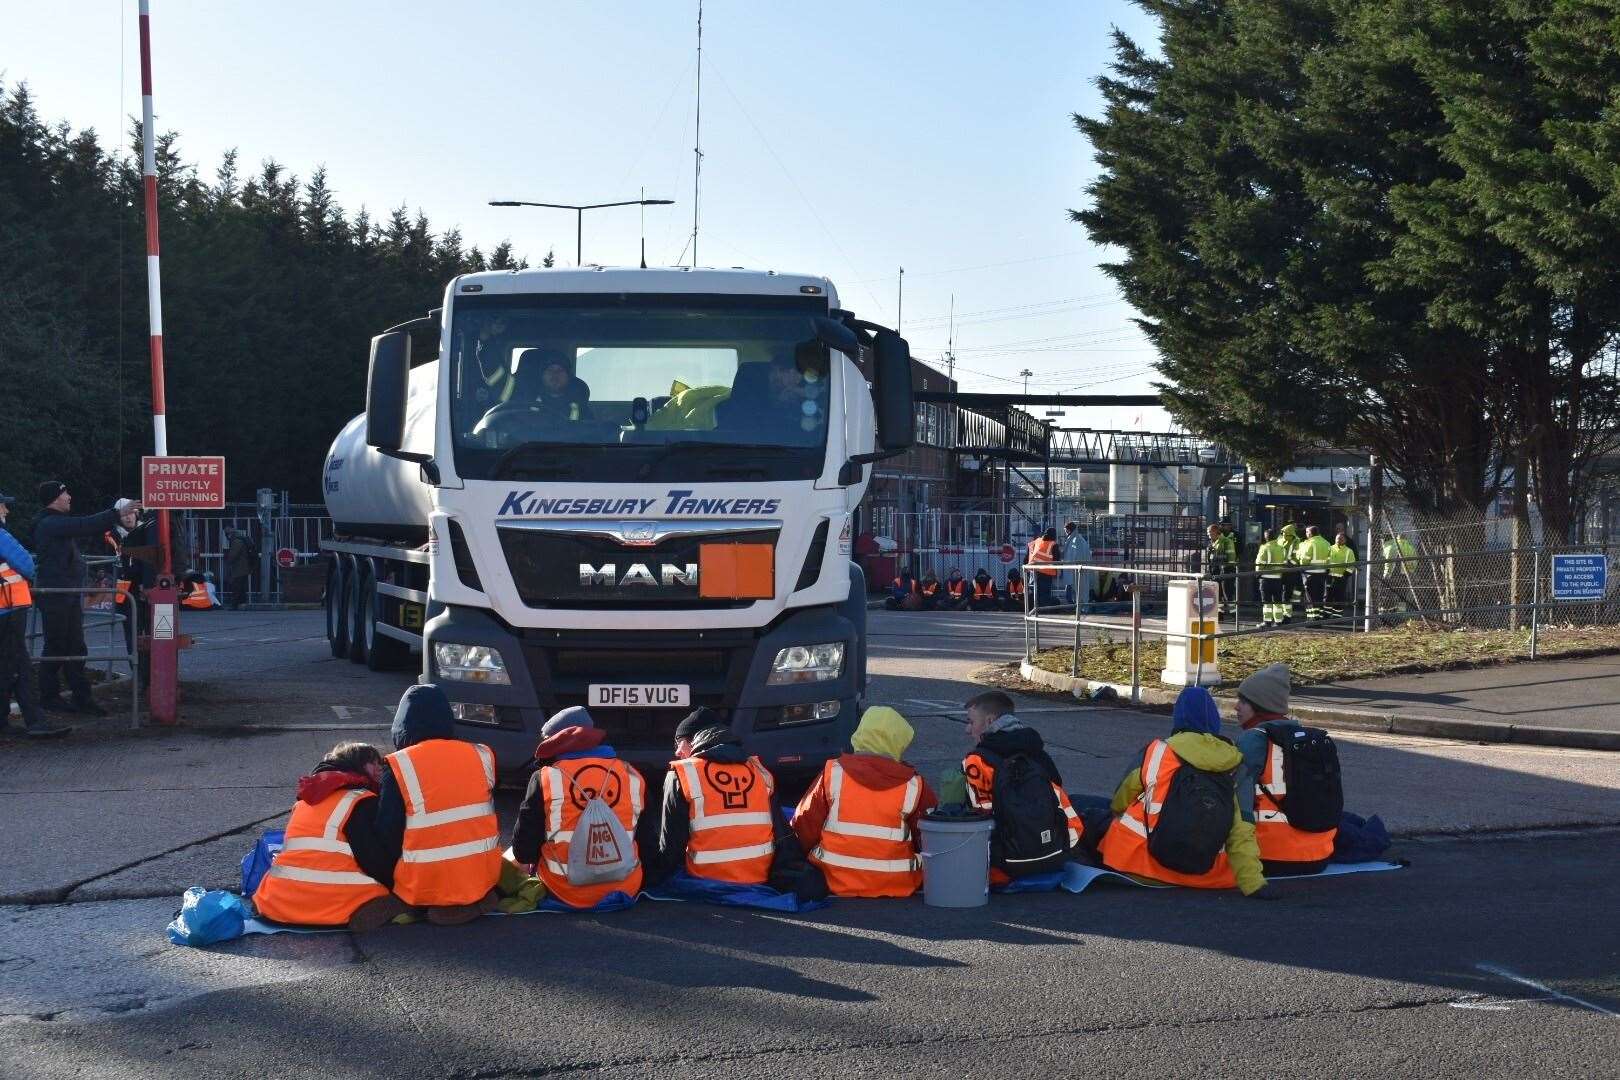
x,y
300,527
1512,589
109,644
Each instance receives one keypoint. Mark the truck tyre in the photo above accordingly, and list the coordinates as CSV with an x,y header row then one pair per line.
x,y
357,573
383,653
337,612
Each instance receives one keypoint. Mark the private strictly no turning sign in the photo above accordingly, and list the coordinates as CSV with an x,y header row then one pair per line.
x,y
183,483
1579,577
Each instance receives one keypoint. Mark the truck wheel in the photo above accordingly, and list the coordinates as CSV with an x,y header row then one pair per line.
x,y
383,653
357,574
337,612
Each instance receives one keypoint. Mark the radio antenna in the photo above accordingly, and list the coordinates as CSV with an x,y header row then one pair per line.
x,y
697,148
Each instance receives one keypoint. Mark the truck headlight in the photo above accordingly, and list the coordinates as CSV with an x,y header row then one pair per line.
x,y
470,663
807,664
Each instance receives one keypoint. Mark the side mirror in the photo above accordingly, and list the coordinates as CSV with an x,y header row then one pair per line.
x,y
838,337
387,385
891,383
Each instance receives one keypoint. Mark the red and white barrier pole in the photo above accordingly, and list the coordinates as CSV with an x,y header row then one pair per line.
x,y
165,640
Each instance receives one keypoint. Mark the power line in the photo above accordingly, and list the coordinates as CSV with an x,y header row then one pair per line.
x,y
982,266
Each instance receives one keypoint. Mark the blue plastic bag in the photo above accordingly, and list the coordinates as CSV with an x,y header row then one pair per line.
x,y
256,862
208,916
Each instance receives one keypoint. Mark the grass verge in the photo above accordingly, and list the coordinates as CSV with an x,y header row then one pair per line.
x,y
1316,657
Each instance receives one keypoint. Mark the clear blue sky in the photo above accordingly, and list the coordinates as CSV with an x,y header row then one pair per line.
x,y
840,138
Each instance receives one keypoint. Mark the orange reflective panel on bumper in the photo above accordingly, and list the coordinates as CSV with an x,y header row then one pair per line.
x,y
736,571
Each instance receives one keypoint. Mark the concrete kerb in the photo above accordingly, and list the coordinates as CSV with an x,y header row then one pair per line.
x,y
1432,727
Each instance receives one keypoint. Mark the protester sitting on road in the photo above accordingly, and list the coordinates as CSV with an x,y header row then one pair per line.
x,y
16,668
984,596
720,818
904,593
1162,831
334,868
577,768
956,591
1010,775
859,819
1014,598
435,809
1289,782
931,593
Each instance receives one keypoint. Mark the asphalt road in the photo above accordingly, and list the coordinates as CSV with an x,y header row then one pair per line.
x,y
1494,954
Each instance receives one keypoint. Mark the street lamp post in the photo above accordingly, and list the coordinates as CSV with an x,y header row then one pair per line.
x,y
579,215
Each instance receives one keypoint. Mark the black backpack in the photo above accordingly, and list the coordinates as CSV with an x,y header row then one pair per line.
x,y
1031,834
1314,799
1191,826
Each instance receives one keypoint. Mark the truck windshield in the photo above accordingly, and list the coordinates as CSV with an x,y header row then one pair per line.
x,y
625,387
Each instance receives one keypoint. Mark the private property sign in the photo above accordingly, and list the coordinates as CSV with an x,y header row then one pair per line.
x,y
1579,577
183,483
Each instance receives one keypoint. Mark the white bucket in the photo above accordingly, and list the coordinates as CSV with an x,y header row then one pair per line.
x,y
956,861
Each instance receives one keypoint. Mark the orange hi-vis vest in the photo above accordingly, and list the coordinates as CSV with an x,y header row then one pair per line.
x,y
981,785
197,598
732,837
1124,845
1279,841
930,588
566,786
1043,551
1015,586
122,592
957,588
451,851
866,846
13,588
899,584
984,590
315,880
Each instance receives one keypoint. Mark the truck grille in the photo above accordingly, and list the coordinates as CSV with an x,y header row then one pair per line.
x,y
546,568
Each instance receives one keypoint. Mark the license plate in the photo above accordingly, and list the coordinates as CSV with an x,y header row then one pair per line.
x,y
640,695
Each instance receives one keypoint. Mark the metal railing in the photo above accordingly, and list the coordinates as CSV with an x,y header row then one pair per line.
x,y
1444,590
110,619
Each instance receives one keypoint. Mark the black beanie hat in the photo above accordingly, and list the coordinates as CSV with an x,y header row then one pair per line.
x,y
49,490
698,719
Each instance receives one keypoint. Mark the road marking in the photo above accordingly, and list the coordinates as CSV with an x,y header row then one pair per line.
x,y
1483,1006
350,712
1543,988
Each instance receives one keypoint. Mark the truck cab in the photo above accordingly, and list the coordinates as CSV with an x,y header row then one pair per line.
x,y
639,493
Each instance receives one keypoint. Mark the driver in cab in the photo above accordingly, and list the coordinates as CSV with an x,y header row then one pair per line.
x,y
545,391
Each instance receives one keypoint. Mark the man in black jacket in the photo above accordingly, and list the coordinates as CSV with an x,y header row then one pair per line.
x,y
61,566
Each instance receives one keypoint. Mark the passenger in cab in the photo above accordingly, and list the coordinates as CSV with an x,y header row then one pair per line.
x,y
780,400
436,810
1166,830
1290,782
859,819
334,868
956,587
577,767
720,817
1012,777
984,596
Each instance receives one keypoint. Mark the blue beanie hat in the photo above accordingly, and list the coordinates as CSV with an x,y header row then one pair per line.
x,y
1196,711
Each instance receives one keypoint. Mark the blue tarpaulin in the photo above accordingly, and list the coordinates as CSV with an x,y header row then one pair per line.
x,y
683,886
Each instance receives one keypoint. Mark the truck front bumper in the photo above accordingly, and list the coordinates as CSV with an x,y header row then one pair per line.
x,y
725,669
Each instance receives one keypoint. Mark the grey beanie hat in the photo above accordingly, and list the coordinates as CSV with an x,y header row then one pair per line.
x,y
573,716
1267,689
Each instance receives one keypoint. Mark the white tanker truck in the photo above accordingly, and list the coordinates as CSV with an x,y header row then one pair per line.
x,y
628,489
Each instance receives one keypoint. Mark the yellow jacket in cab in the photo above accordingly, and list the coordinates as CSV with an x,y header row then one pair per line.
x,y
1212,754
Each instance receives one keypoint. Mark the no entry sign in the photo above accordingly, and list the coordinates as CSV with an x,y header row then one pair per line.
x,y
286,558
183,483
